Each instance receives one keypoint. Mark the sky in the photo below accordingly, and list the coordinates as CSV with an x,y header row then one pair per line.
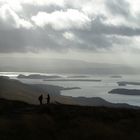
x,y
98,31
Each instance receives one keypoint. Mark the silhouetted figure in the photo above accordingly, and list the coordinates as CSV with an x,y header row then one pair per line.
x,y
40,98
48,99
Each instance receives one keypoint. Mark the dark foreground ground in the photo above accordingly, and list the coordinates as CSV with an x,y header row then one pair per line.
x,y
21,121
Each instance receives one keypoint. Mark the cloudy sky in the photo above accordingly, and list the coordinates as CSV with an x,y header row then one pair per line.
x,y
101,31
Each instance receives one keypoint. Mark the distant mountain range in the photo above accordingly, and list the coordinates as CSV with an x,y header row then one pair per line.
x,y
68,66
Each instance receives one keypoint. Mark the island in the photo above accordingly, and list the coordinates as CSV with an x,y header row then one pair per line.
x,y
78,76
116,76
80,80
37,76
124,83
123,91
71,88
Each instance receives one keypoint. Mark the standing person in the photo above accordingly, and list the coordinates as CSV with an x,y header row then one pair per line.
x,y
40,98
48,99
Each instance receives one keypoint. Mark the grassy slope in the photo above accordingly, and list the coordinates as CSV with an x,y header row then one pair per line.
x,y
22,121
15,90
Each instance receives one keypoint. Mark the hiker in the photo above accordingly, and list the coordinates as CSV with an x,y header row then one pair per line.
x,y
48,99
40,98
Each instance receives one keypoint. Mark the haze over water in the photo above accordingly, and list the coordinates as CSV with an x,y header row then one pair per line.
x,y
90,88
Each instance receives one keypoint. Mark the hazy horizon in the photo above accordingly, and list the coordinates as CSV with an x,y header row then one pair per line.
x,y
66,66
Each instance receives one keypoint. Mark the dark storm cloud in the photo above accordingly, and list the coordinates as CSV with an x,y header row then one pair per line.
x,y
92,36
98,27
97,36
23,40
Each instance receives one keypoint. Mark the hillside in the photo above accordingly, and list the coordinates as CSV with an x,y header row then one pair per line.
x,y
16,90
19,120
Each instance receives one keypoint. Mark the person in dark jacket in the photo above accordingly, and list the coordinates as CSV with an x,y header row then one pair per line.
x,y
40,98
48,99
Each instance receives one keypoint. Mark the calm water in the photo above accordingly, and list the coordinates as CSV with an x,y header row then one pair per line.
x,y
93,89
